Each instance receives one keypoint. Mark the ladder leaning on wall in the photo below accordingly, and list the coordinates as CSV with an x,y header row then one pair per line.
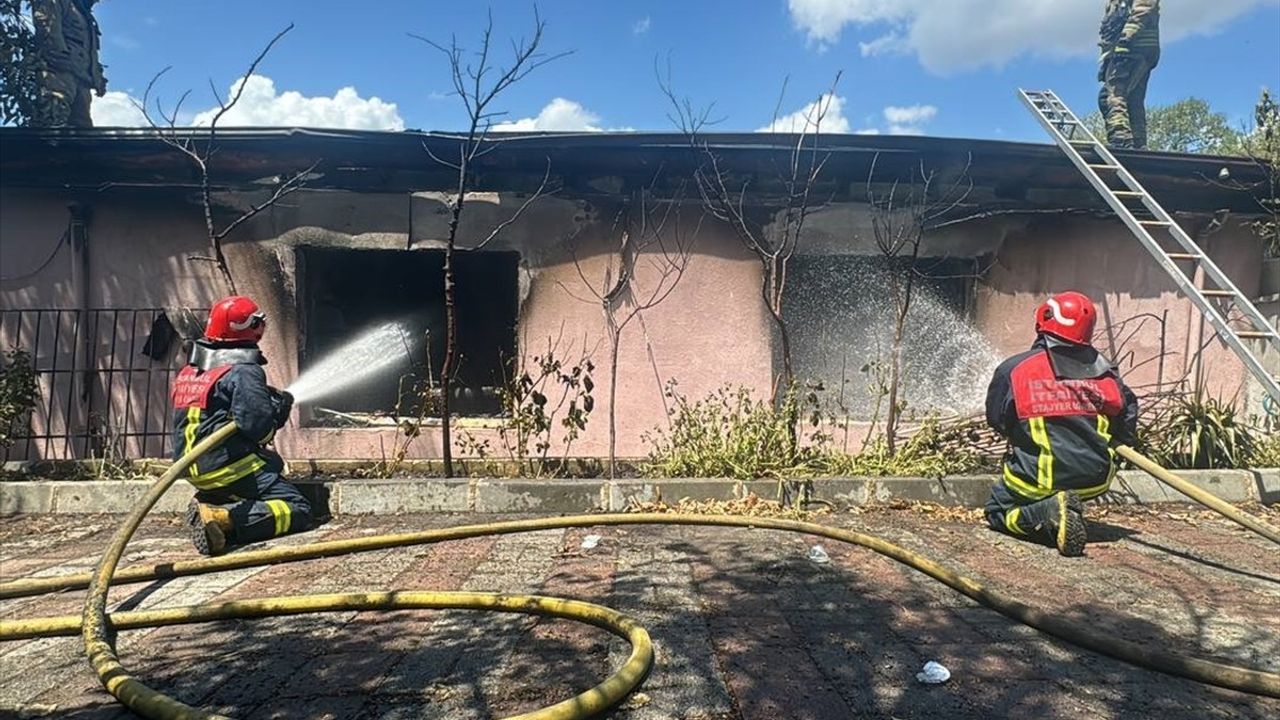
x,y
1219,295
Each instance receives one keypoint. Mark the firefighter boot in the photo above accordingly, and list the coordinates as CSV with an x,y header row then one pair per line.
x,y
1057,520
209,526
1071,534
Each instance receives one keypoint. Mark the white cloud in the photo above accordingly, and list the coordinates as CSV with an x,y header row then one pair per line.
x,y
891,44
828,110
116,109
955,35
559,115
261,105
641,26
909,120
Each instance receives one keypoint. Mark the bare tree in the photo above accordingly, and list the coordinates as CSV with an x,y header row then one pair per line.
x,y
900,217
648,230
478,82
772,239
200,152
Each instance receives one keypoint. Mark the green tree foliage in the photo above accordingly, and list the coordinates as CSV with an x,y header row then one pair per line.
x,y
1187,126
19,64
1263,146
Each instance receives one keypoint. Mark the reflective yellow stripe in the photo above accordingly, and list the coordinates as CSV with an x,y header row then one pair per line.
x,y
1044,465
283,515
246,465
189,433
1104,429
1022,487
1062,519
1096,490
1011,521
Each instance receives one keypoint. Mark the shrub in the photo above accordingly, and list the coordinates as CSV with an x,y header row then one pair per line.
x,y
727,434
18,393
1266,451
934,450
732,434
1196,431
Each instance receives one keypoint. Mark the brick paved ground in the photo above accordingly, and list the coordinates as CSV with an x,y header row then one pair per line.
x,y
745,626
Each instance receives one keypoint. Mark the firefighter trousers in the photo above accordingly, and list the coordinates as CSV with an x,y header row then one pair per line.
x,y
262,506
1032,519
1122,99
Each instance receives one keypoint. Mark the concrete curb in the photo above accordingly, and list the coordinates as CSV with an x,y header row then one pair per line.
x,y
489,495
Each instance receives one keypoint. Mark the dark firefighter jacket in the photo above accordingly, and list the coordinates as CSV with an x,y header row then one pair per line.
x,y
1063,409
221,383
1130,25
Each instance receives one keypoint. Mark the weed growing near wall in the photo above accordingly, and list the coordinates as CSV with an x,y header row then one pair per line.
x,y
18,393
732,434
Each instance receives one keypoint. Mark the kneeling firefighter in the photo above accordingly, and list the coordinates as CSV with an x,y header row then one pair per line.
x,y
240,494
1063,408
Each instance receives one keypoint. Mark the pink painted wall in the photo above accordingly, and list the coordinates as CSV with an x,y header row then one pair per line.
x,y
711,331
1135,297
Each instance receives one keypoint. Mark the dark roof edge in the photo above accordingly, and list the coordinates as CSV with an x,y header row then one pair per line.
x,y
731,140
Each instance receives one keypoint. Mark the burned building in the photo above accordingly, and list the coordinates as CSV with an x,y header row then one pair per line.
x,y
105,268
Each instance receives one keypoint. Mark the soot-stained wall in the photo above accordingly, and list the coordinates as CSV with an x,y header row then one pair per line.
x,y
712,330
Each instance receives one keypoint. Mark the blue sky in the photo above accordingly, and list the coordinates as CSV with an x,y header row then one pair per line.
x,y
938,67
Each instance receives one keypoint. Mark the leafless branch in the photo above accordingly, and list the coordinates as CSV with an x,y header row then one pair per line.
x,y
477,83
224,108
725,199
200,151
900,217
446,163
537,194
290,185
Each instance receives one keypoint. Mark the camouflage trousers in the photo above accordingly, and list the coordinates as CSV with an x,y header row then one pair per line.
x,y
64,101
1122,100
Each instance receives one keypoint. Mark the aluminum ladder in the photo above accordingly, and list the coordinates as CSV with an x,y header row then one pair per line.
x,y
1219,295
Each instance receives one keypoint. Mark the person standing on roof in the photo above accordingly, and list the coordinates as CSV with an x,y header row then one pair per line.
x,y
240,494
1130,42
68,42
1063,408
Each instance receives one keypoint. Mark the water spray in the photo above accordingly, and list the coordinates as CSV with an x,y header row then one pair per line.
x,y
372,353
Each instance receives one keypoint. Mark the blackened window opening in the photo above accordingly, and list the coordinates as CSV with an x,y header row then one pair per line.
x,y
841,316
347,292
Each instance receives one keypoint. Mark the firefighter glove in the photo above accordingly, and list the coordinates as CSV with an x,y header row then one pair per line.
x,y
284,406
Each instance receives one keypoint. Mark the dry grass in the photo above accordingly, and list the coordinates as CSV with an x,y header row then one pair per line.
x,y
750,506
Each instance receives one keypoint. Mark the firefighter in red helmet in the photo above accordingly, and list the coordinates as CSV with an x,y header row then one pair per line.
x,y
240,494
1063,408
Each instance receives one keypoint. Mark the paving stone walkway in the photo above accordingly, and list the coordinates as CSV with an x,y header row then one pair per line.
x,y
745,626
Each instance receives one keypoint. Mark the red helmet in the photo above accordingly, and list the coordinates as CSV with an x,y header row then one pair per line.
x,y
1067,316
235,318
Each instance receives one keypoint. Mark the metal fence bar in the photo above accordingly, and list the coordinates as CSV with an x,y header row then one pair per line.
x,y
91,364
111,363
85,410
53,382
67,447
146,405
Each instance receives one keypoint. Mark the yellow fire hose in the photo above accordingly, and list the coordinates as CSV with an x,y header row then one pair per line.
x,y
95,625
1207,499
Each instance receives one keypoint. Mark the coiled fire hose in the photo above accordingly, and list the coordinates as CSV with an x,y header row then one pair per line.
x,y
97,627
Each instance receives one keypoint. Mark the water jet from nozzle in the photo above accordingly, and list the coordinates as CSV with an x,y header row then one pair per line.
x,y
376,351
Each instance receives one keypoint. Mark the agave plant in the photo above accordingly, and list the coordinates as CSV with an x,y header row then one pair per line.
x,y
1201,432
